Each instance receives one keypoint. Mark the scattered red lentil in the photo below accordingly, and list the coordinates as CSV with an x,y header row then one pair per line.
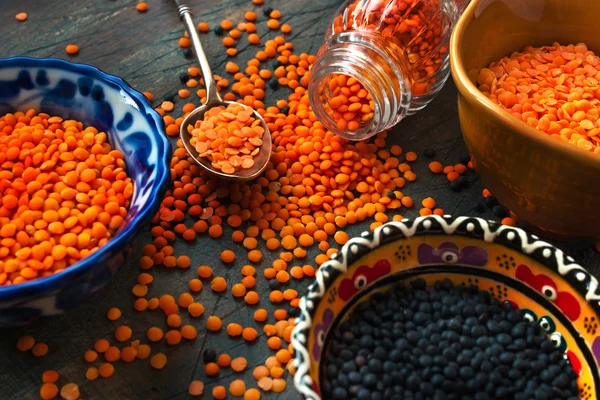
x,y
141,6
72,49
21,17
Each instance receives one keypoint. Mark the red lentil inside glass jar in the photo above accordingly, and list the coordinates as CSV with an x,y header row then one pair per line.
x,y
382,60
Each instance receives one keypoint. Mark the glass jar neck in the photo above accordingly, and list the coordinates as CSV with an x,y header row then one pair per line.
x,y
381,68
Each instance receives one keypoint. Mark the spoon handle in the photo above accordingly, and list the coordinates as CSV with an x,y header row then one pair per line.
x,y
185,14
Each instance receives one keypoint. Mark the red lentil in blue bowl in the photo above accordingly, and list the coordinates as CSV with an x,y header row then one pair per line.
x,y
448,308
86,94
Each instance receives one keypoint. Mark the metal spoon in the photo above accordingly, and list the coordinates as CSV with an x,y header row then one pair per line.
x,y
213,98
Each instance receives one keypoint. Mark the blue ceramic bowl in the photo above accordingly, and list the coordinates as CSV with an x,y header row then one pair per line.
x,y
84,93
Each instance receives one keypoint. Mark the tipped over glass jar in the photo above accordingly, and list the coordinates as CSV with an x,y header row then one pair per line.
x,y
382,60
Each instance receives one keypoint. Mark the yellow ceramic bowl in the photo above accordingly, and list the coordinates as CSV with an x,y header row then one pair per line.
x,y
551,185
507,262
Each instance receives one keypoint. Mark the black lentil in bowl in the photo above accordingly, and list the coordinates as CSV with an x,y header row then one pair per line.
x,y
375,320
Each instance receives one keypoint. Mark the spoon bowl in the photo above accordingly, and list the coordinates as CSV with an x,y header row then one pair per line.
x,y
243,175
213,99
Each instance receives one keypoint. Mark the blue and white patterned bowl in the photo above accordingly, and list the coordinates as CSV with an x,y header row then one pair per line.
x,y
84,93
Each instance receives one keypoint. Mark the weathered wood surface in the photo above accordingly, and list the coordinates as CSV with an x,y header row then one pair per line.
x,y
142,48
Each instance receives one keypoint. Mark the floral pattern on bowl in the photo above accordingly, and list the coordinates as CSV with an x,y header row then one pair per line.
x,y
509,263
82,92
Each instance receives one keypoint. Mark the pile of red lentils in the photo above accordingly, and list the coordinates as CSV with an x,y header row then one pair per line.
x,y
315,185
64,192
552,88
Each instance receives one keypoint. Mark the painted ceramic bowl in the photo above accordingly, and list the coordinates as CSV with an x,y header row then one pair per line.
x,y
82,92
507,262
551,185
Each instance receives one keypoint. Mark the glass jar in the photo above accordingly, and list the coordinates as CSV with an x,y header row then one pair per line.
x,y
382,60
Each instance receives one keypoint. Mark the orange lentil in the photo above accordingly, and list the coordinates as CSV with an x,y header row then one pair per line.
x,y
215,231
128,354
184,42
452,176
196,388
226,24
155,334
204,271
285,28
218,284
90,356
158,361
234,329
341,237
106,370
141,6
228,41
265,383
224,360
39,349
274,343
123,333
279,385
260,315
203,27
237,388
435,167
25,343
282,276
238,290
48,391
174,321
248,270
214,323
227,256
237,236
255,255
252,394
112,354
189,332
273,24
143,351
411,156
239,364
211,369
195,310
428,202
101,345
91,374
195,285
508,221
72,49
219,392
249,334
289,242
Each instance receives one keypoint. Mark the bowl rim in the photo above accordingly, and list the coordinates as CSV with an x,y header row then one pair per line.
x,y
468,90
125,236
514,238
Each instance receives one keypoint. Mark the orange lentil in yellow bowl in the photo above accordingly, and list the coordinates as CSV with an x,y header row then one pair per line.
x,y
64,192
554,89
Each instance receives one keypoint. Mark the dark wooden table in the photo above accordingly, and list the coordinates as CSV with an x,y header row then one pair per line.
x,y
142,48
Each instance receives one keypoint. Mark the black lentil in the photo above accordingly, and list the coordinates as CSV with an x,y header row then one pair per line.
x,y
429,153
219,31
183,77
443,342
209,355
273,83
